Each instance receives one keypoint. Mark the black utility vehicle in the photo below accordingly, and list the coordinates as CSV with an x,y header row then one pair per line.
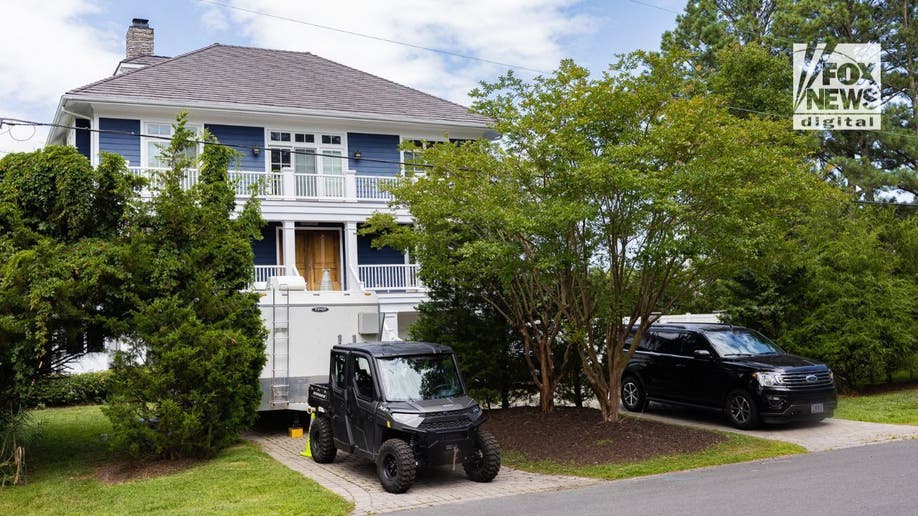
x,y
728,368
402,405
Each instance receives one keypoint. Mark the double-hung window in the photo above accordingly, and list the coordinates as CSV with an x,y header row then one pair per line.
x,y
315,159
156,140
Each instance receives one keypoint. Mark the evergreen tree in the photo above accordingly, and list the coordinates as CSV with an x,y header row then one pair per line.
x,y
188,381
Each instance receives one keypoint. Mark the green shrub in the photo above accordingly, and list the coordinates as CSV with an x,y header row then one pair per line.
x,y
72,389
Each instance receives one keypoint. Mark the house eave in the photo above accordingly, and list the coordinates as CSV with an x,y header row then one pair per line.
x,y
262,109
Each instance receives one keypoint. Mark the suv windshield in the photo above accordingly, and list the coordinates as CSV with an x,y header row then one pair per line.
x,y
733,343
419,377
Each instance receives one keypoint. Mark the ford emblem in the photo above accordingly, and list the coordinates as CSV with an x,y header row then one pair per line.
x,y
811,378
320,309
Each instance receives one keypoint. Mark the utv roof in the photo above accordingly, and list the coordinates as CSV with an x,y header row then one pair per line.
x,y
395,348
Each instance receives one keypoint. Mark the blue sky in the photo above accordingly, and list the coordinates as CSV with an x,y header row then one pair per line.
x,y
55,45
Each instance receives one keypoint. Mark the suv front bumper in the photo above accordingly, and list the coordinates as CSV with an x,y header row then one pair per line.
x,y
784,405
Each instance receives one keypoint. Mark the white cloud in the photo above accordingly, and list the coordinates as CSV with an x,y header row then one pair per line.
x,y
47,50
527,33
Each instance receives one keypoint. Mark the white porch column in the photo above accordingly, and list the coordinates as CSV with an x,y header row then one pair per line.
x,y
289,250
350,253
289,184
350,185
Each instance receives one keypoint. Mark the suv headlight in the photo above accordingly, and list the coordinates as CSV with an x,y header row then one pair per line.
x,y
831,375
768,379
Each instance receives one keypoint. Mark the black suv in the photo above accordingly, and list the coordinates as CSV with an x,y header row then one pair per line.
x,y
728,368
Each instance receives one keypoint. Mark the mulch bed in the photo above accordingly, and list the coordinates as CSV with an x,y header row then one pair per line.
x,y
576,436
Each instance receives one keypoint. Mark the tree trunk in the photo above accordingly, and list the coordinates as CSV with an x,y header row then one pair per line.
x,y
546,396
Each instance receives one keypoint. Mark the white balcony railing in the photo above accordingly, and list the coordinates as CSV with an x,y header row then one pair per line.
x,y
389,277
316,186
264,184
369,188
346,187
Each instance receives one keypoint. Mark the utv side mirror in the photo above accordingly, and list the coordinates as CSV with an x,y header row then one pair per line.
x,y
702,354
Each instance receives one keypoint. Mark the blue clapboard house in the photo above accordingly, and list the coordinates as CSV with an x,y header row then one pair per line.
x,y
317,138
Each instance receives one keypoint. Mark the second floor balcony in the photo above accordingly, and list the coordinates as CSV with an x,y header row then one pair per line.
x,y
346,187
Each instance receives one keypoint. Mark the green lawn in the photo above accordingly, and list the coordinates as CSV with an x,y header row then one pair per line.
x,y
241,480
899,407
737,448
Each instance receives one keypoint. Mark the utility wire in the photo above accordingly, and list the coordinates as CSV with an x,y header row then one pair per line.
x,y
370,36
20,122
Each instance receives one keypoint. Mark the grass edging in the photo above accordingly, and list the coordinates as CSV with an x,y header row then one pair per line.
x,y
737,448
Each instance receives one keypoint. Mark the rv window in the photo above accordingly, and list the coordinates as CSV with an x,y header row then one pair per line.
x,y
338,374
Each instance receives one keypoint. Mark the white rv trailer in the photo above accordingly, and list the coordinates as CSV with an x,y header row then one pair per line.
x,y
303,327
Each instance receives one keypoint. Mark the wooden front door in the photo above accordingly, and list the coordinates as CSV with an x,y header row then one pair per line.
x,y
318,251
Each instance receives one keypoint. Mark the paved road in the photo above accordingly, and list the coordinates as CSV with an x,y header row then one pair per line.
x,y
869,480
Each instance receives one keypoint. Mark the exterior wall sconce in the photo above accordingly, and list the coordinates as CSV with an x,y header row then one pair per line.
x,y
357,154
256,151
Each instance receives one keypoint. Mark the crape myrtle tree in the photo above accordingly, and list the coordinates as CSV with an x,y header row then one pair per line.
x,y
61,272
623,193
487,225
186,381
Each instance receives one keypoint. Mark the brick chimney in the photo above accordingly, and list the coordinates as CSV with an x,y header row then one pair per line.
x,y
139,39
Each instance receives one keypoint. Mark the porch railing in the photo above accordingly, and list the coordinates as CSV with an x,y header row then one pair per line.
x,y
389,277
315,186
289,185
370,188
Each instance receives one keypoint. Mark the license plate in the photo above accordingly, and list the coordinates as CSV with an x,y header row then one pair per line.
x,y
816,408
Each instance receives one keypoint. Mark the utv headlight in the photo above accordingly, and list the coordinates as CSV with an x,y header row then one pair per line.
x,y
768,379
412,420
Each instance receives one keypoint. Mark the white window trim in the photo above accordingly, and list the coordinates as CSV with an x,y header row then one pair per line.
x,y
317,146
198,129
424,140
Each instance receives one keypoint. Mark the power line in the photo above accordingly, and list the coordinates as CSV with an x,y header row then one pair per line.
x,y
19,122
12,122
370,36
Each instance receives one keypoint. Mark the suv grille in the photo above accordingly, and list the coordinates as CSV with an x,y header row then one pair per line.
x,y
806,380
444,423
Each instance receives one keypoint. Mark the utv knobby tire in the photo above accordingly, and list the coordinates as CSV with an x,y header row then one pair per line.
x,y
634,398
484,462
395,466
742,410
321,441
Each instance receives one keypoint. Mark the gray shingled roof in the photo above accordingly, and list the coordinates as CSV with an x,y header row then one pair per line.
x,y
275,78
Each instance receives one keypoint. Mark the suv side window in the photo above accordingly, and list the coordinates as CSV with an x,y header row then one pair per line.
x,y
338,377
691,342
363,377
667,342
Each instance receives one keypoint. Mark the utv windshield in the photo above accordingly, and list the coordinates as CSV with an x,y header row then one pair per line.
x,y
740,343
419,377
